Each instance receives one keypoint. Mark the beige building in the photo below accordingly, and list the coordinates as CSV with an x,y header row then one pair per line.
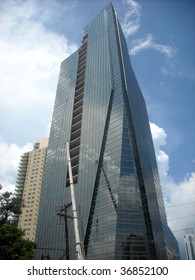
x,y
28,186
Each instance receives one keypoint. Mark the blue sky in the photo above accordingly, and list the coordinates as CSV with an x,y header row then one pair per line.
x,y
37,35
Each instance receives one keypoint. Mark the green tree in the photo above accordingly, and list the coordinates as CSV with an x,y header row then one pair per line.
x,y
13,246
9,206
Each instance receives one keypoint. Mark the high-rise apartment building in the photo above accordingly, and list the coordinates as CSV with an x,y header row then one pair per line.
x,y
28,186
99,109
189,242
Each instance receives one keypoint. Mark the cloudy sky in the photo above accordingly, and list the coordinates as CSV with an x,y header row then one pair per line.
x,y
37,35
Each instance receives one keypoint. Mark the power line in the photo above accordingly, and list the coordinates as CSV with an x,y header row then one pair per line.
x,y
179,230
179,196
180,217
176,187
186,203
172,190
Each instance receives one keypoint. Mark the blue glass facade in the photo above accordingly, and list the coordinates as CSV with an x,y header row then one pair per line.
x,y
100,110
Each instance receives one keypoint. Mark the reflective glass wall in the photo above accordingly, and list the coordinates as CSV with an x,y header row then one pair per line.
x,y
100,110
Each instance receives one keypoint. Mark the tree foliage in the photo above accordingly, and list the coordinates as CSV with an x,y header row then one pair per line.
x,y
13,246
9,206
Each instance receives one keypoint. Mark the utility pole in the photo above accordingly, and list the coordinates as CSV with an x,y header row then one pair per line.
x,y
63,212
79,245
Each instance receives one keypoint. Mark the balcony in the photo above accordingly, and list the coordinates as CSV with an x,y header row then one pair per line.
x,y
76,127
74,152
77,112
76,119
79,85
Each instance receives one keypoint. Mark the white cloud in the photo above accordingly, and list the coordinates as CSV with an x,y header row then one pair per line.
x,y
159,139
159,136
131,25
179,196
148,42
163,164
30,61
180,207
131,22
9,159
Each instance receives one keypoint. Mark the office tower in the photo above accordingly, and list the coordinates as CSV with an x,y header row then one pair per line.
x,y
99,109
189,241
28,186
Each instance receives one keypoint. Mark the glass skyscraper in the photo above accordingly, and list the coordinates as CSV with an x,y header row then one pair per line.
x,y
100,110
